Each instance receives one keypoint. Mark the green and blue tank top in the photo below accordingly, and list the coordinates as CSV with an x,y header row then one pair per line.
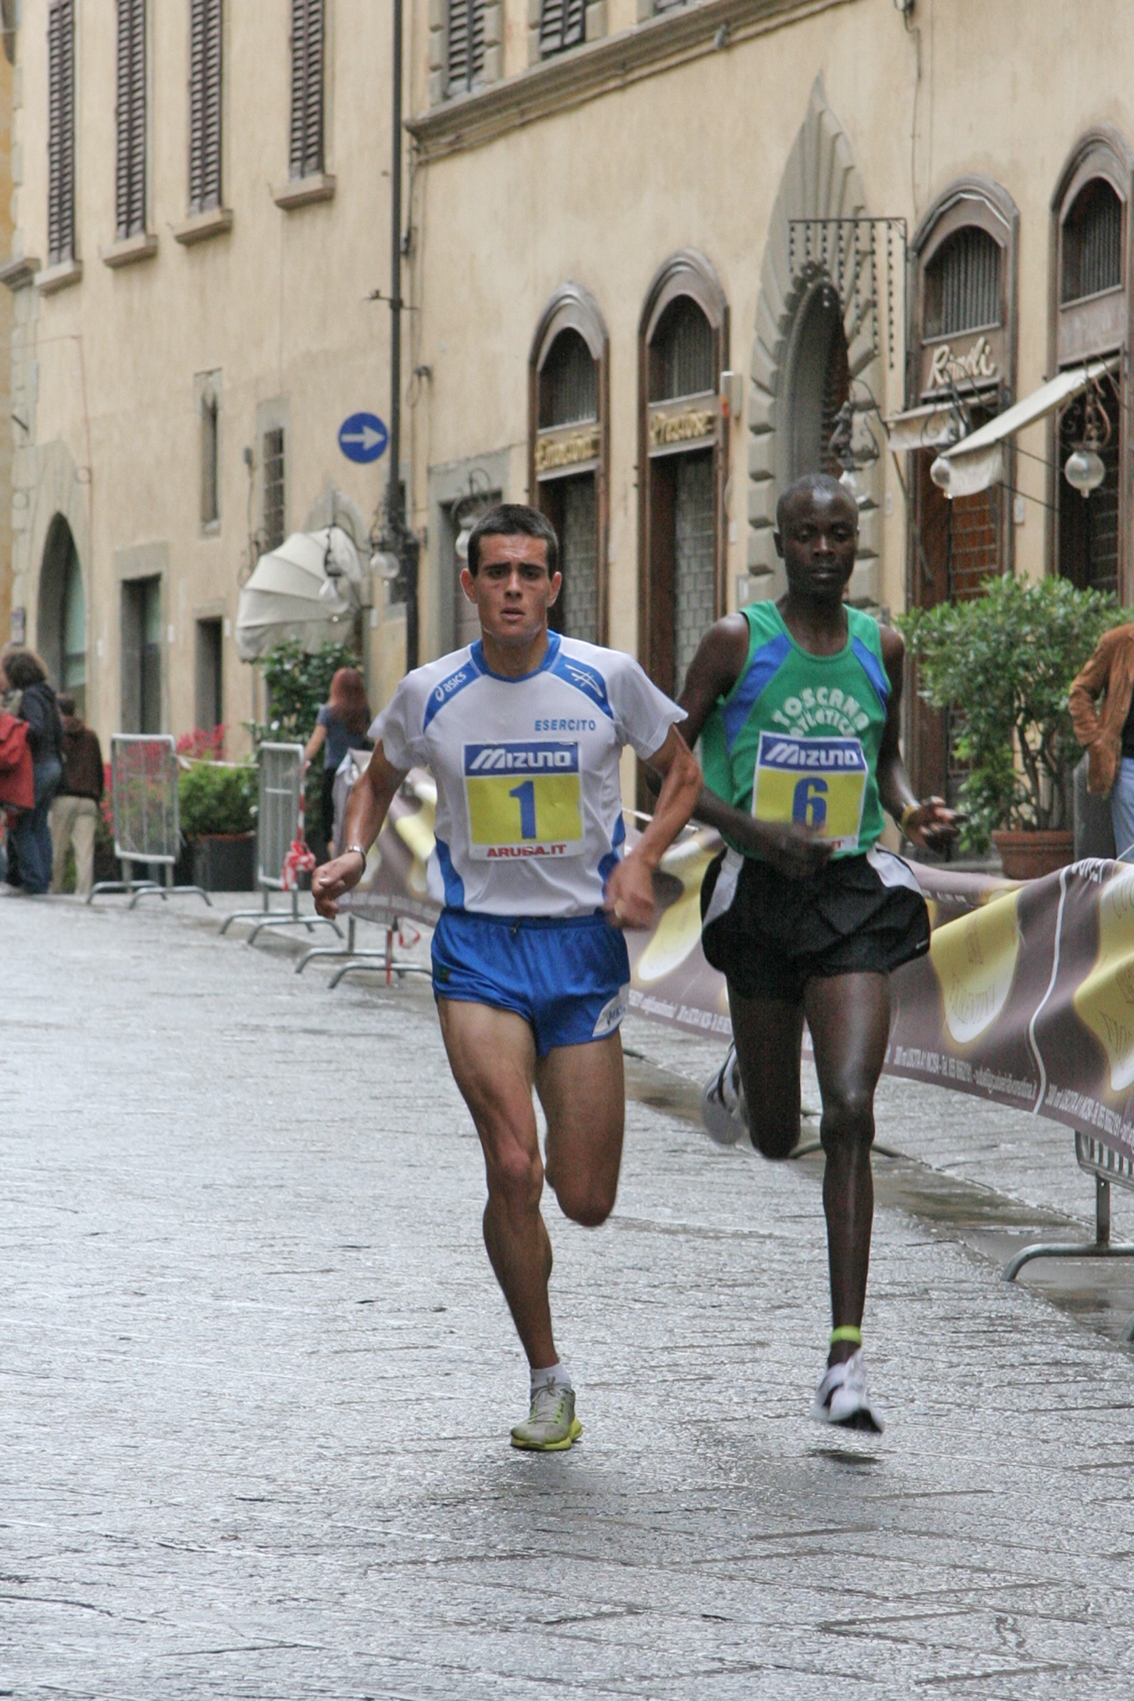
x,y
797,738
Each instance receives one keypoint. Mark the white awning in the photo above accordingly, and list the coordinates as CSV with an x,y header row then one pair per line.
x,y
977,461
291,594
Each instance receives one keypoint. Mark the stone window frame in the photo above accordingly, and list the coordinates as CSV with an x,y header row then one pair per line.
x,y
687,272
1079,329
573,308
966,201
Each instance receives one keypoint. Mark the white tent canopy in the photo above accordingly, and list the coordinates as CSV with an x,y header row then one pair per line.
x,y
291,593
977,461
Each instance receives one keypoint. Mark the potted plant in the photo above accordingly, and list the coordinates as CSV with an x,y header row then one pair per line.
x,y
1003,662
218,816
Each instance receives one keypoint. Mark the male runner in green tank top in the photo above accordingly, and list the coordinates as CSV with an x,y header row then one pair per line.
x,y
797,707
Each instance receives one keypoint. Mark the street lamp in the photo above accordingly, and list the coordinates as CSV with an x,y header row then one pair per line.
x,y
1084,469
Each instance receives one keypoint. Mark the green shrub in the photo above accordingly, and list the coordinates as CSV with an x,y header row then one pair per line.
x,y
298,685
1004,662
217,798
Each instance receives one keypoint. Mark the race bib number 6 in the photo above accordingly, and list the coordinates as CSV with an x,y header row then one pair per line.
x,y
523,800
814,782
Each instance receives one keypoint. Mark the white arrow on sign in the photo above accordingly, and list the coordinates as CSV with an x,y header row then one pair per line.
x,y
367,437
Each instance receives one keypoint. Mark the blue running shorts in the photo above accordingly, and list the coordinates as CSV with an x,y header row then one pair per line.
x,y
568,978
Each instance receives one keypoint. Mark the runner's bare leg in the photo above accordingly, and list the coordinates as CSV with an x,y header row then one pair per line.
x,y
849,1020
493,1058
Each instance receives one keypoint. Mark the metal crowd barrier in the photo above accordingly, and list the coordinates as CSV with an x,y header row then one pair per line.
x,y
279,822
1108,1167
147,824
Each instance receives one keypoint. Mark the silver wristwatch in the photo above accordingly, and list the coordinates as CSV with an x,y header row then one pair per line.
x,y
348,848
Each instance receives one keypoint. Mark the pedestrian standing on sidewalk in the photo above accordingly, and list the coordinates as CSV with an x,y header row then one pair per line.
x,y
797,704
1108,730
27,694
523,731
74,811
341,726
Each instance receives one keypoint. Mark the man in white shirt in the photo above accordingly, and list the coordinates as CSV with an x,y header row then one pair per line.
x,y
523,731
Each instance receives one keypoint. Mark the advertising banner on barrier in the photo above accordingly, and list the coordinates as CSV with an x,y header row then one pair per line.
x,y
1026,995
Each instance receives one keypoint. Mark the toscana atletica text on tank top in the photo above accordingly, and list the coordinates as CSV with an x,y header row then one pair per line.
x,y
797,738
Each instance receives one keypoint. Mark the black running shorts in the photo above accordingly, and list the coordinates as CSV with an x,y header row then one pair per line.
x,y
769,934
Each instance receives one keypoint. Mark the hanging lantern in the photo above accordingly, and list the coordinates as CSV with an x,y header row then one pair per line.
x,y
1084,469
941,473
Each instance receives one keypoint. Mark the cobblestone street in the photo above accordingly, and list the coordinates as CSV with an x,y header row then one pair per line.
x,y
258,1379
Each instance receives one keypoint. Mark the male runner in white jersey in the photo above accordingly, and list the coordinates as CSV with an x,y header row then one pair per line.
x,y
523,731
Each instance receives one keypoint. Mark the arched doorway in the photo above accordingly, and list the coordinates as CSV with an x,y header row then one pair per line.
x,y
61,626
818,382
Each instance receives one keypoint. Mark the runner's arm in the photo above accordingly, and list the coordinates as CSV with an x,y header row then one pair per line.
x,y
366,810
929,824
715,669
629,897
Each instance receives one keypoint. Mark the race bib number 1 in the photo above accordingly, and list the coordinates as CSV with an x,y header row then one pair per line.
x,y
523,800
815,782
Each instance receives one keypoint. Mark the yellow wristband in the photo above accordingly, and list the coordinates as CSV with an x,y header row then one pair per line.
x,y
904,817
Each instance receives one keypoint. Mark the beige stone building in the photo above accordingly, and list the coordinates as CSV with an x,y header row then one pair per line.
x,y
201,212
658,247
661,258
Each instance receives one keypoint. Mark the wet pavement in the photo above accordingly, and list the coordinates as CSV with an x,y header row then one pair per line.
x,y
257,1379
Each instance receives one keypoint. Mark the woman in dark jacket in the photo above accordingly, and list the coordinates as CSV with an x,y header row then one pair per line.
x,y
23,674
341,726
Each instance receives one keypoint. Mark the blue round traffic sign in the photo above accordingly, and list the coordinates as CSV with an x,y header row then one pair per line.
x,y
363,437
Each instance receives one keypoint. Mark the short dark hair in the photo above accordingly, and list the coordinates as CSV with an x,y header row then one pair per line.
x,y
65,703
513,519
815,484
23,667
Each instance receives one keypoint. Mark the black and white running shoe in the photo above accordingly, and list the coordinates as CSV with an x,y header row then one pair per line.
x,y
842,1398
723,1110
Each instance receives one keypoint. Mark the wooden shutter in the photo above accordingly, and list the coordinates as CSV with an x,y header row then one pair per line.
x,y
306,88
130,182
61,132
562,23
205,105
466,44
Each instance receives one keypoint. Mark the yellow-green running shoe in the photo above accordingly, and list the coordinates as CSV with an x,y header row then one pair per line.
x,y
551,1425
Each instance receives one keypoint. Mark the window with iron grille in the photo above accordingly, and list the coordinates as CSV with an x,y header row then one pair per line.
x,y
1092,242
61,132
962,284
681,353
273,463
130,113
568,382
466,45
205,20
306,157
562,24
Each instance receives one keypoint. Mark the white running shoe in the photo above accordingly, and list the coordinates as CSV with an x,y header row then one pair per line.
x,y
723,1110
842,1397
551,1425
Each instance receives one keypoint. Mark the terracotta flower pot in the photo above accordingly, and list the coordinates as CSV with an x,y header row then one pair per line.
x,y
1029,853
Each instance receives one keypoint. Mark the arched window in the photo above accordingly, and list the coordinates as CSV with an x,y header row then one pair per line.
x,y
1091,317
1092,243
684,347
62,623
568,454
962,284
964,323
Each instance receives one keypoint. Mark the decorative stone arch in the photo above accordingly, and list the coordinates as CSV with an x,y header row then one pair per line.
x,y
61,500
668,429
568,462
820,181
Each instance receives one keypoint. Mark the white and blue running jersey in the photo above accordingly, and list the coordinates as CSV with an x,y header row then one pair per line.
x,y
529,809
